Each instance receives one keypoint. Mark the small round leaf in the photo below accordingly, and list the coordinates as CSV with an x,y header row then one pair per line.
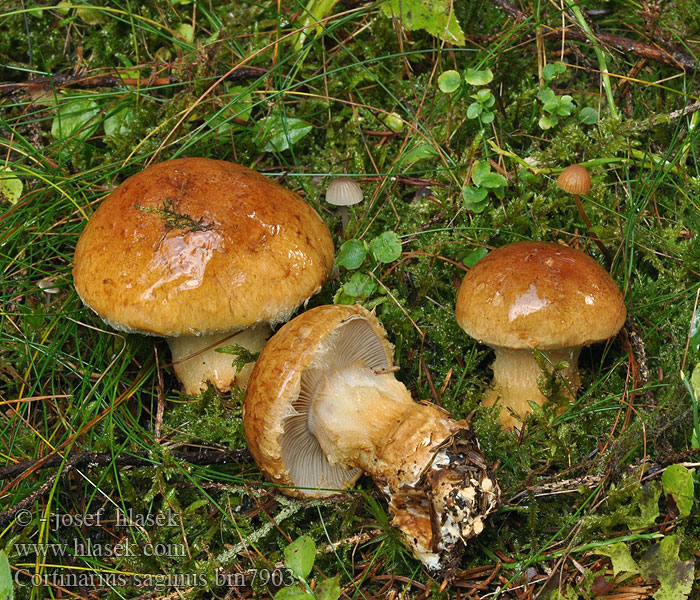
x,y
474,110
352,254
360,286
474,257
474,198
449,82
475,77
386,247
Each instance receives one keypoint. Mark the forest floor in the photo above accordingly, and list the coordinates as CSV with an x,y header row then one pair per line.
x,y
456,121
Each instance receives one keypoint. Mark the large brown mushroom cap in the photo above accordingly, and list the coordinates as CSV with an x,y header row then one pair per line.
x,y
536,294
276,403
198,246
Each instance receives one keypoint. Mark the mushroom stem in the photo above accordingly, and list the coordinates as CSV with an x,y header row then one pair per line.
x,y
515,381
601,246
196,362
429,465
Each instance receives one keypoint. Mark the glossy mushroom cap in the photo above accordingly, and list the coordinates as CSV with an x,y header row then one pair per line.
x,y
539,295
575,180
278,398
343,191
197,246
531,295
196,250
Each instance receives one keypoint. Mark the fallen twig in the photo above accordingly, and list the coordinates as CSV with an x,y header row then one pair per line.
x,y
71,80
137,459
622,44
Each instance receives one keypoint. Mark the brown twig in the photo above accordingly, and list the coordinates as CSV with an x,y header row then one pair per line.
x,y
71,80
622,44
136,459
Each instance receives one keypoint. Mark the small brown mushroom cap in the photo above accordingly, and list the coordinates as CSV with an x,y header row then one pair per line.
x,y
198,246
575,180
278,395
539,295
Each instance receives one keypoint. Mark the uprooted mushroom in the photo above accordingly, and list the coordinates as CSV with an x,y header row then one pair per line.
x,y
323,406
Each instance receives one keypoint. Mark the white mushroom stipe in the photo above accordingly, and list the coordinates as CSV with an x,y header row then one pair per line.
x,y
197,363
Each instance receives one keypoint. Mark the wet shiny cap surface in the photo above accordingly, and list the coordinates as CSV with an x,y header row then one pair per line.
x,y
196,245
536,294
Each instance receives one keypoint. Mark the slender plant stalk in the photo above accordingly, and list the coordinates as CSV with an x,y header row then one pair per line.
x,y
583,24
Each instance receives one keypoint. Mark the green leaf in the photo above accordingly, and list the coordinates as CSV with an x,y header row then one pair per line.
x,y
474,257
546,122
299,556
675,576
119,123
11,186
474,198
622,560
547,96
678,482
75,118
360,286
565,107
279,132
386,247
7,590
487,117
493,180
434,16
352,254
90,16
293,593
480,169
551,70
695,381
241,102
242,356
648,504
315,10
483,96
695,338
394,122
449,81
329,589
475,77
588,116
186,31
420,152
474,110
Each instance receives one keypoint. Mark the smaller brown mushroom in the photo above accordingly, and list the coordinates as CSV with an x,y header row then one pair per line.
x,y
536,295
323,406
575,180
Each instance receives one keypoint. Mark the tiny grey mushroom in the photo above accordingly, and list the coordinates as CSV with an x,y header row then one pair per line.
x,y
343,191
